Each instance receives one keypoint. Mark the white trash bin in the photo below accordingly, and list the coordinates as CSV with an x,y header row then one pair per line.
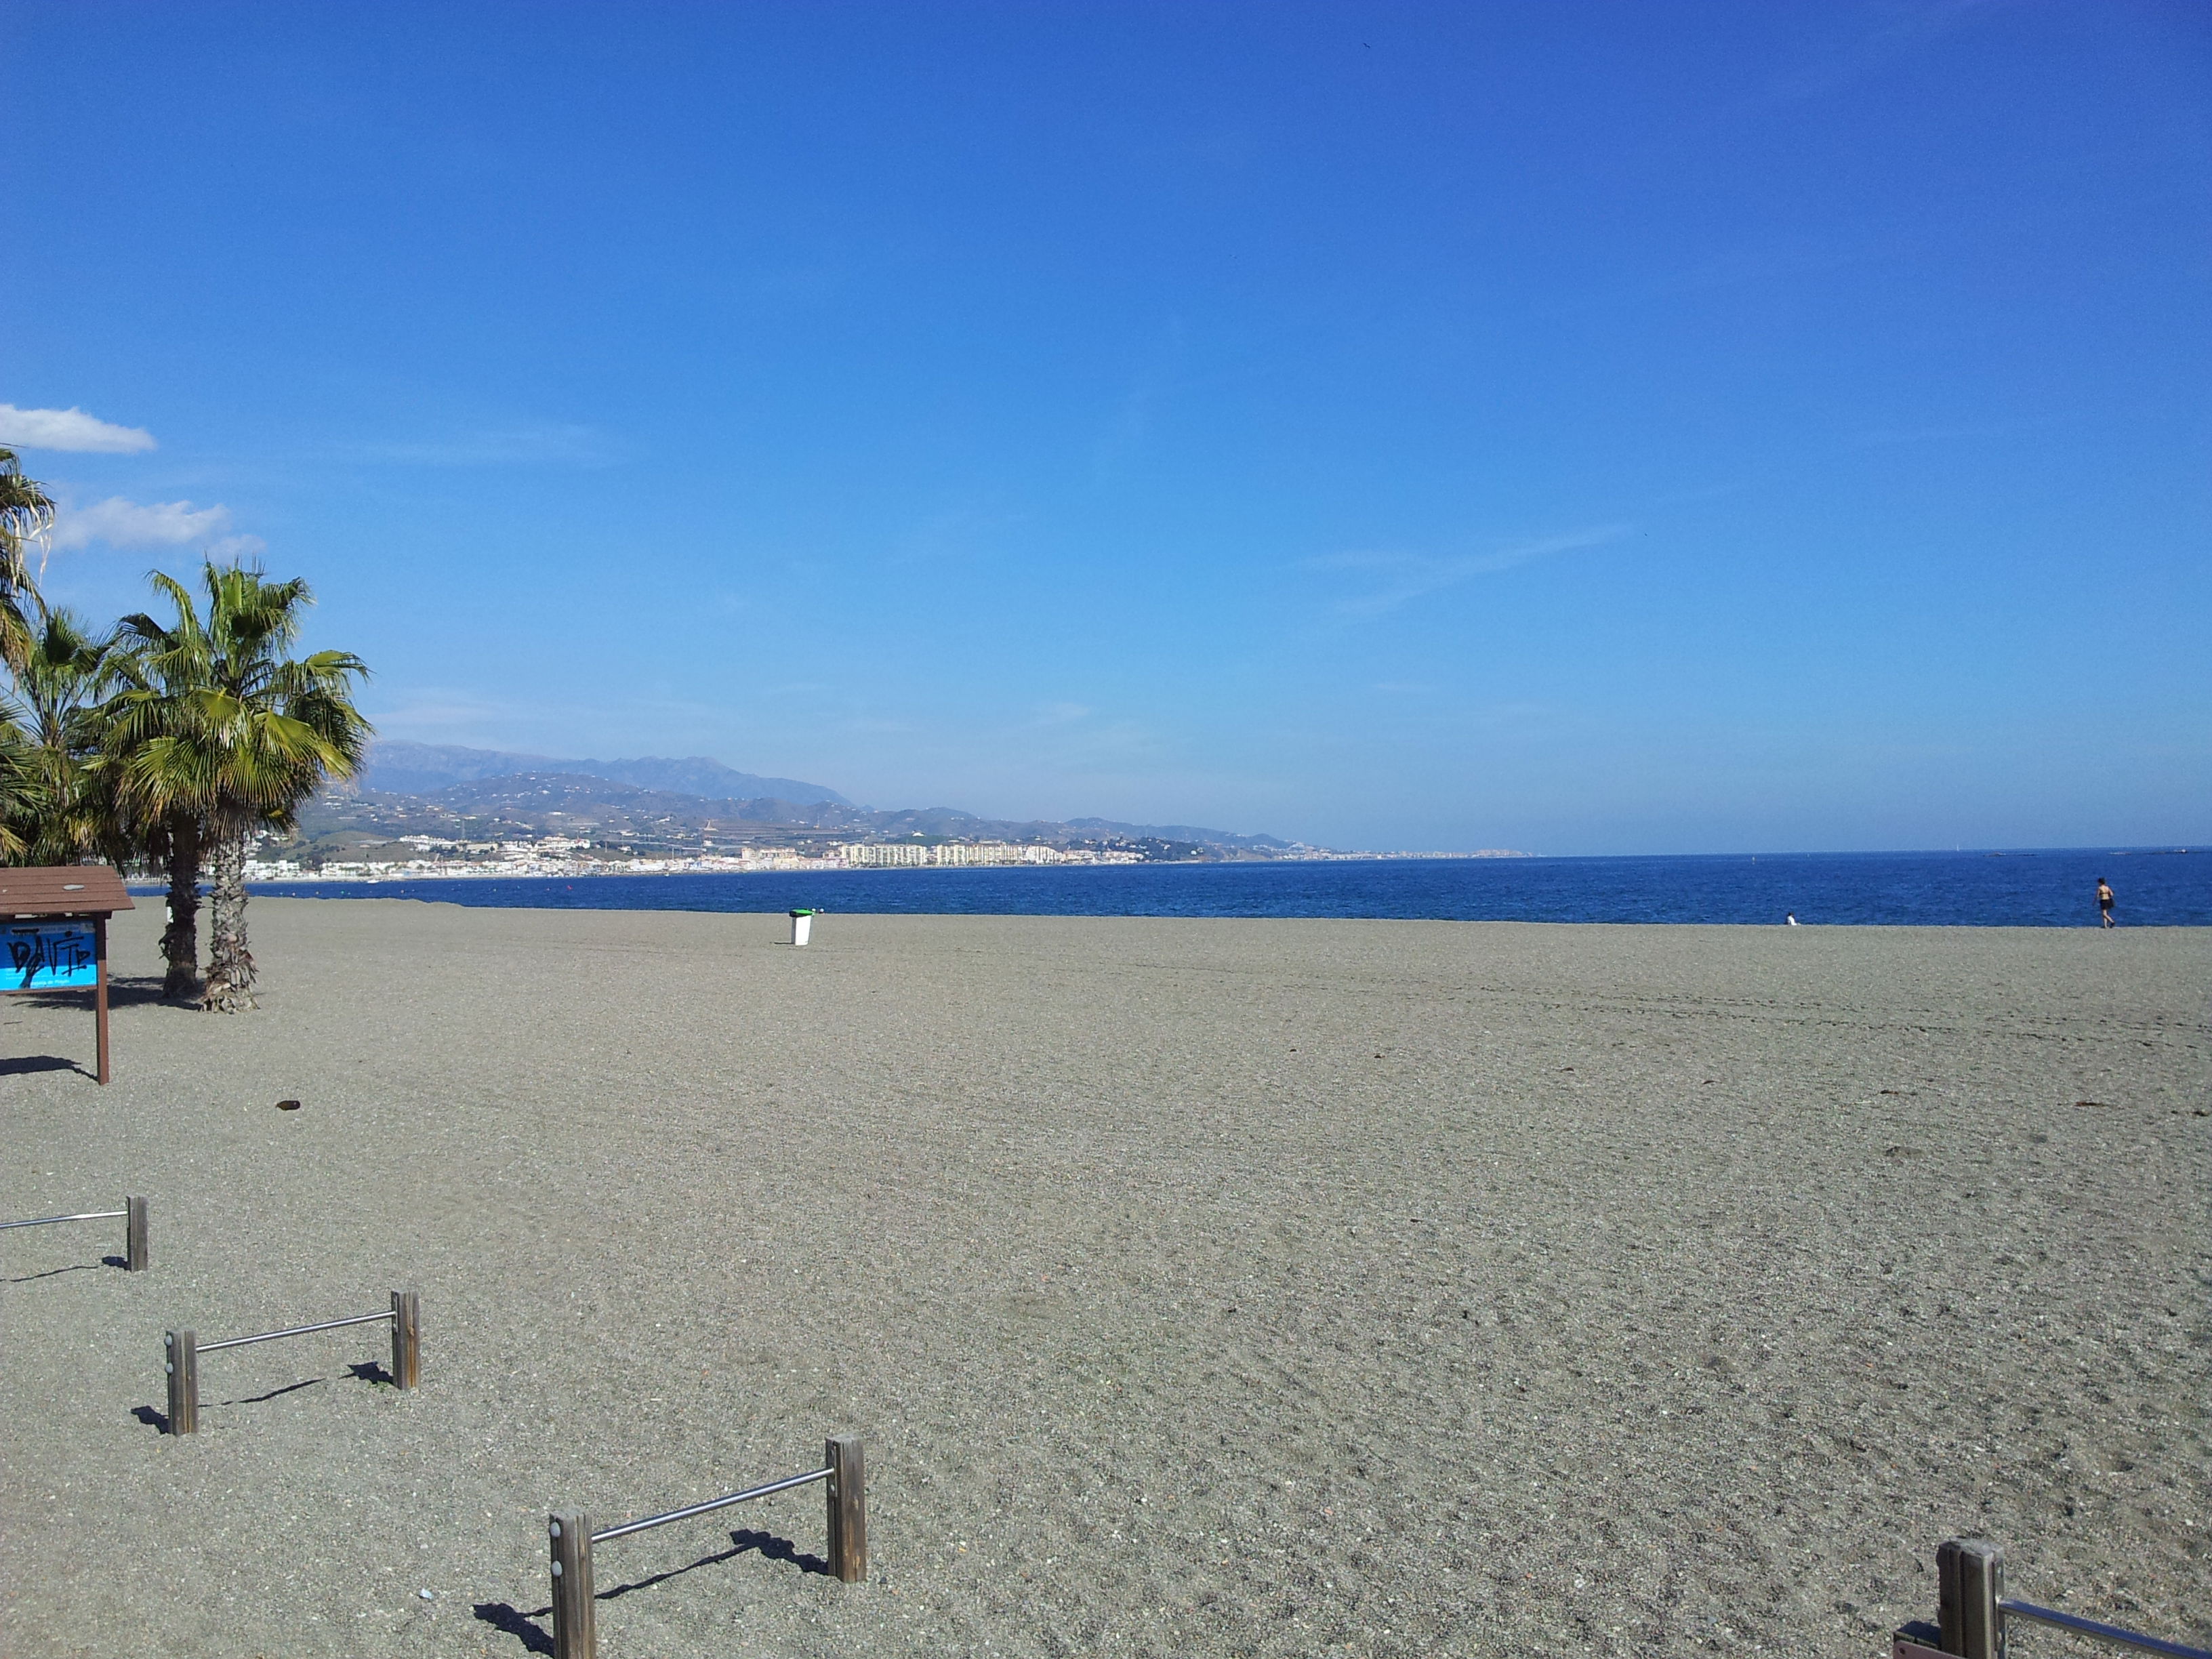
x,y
802,924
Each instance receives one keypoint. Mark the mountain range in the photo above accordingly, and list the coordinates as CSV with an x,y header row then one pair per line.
x,y
663,804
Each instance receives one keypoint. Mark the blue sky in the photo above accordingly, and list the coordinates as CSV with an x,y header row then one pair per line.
x,y
1582,428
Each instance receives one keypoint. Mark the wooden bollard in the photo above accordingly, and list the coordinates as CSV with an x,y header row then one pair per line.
x,y
575,1629
181,1357
406,1338
1969,1578
137,1253
848,1507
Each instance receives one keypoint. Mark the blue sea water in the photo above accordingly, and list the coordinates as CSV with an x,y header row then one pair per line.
x,y
2051,889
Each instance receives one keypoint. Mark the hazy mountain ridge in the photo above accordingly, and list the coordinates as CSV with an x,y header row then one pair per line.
x,y
521,806
488,794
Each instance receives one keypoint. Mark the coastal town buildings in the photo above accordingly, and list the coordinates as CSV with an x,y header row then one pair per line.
x,y
440,857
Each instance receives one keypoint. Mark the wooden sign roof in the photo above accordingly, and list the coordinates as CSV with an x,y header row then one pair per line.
x,y
62,889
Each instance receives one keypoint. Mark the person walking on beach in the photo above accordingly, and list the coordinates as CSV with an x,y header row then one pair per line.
x,y
2105,903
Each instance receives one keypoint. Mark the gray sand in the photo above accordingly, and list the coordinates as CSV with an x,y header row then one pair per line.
x,y
1200,1288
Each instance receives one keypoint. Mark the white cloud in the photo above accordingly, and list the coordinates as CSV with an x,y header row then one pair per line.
x,y
127,525
1405,576
70,428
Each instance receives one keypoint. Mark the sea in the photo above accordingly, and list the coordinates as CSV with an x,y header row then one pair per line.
x,y
2156,887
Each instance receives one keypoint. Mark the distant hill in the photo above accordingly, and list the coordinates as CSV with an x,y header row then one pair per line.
x,y
423,768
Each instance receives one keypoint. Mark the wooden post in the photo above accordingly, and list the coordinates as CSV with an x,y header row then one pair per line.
x,y
1969,1578
848,1507
575,1631
406,1338
137,1254
100,987
183,1362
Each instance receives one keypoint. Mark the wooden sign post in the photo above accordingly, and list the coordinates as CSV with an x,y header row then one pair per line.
x,y
53,931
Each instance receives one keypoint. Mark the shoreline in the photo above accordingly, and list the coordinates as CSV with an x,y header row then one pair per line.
x,y
2037,890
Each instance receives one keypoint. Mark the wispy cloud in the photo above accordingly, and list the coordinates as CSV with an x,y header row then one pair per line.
x,y
70,428
545,445
127,525
1398,577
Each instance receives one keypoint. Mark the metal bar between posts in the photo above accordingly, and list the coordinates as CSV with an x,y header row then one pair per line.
x,y
747,1496
575,1622
181,1357
136,1257
297,1330
49,1220
2080,1627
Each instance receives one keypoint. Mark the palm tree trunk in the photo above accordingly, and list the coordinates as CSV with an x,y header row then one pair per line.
x,y
180,939
230,964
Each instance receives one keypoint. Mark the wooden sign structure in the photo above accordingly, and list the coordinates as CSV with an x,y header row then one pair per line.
x,y
53,931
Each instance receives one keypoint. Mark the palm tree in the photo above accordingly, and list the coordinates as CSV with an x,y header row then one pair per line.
x,y
68,814
219,732
20,798
26,513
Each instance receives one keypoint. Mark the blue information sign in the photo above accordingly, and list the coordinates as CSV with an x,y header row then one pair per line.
x,y
54,956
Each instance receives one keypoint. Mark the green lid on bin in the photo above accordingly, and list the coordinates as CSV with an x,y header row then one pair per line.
x,y
797,913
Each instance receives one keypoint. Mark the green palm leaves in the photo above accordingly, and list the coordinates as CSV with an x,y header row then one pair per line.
x,y
26,513
217,732
63,810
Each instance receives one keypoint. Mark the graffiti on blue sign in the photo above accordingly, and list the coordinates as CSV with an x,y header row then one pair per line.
x,y
59,956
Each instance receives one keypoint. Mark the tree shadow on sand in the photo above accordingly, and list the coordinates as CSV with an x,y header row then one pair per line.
x,y
123,991
535,1638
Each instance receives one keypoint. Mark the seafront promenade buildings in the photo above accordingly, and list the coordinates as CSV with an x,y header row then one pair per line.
x,y
919,855
570,856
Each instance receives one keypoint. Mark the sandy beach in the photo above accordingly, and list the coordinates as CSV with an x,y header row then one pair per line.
x,y
1198,1287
